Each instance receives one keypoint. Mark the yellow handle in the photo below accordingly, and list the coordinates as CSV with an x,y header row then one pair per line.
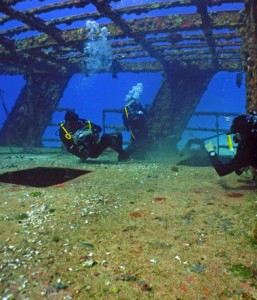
x,y
67,134
230,144
131,132
126,111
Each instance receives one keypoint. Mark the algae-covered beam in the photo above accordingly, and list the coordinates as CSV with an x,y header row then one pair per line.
x,y
146,8
76,66
11,70
123,46
137,9
207,30
27,62
153,66
53,7
149,25
175,103
185,58
32,21
33,110
127,47
250,54
194,54
233,37
170,50
182,41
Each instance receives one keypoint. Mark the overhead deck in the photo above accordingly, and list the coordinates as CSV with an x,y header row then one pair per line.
x,y
209,36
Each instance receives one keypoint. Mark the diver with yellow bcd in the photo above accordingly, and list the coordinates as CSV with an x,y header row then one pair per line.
x,y
134,118
244,128
82,138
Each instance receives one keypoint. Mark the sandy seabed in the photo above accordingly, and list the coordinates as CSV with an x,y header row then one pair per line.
x,y
126,230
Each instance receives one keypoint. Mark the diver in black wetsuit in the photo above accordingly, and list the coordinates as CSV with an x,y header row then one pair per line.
x,y
135,121
82,138
245,129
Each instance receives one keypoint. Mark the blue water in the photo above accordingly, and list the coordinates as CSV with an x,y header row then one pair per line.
x,y
90,95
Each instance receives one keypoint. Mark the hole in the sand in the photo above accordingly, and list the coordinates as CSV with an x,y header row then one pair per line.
x,y
41,177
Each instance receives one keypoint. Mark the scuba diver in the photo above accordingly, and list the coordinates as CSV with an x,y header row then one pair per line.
x,y
244,128
82,138
135,121
134,118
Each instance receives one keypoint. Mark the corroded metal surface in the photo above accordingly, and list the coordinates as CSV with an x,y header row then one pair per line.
x,y
250,54
168,118
33,110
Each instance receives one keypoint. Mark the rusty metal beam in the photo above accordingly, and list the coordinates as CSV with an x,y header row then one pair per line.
x,y
26,61
32,21
139,9
136,52
169,38
76,65
207,30
182,38
33,109
128,46
195,57
142,67
53,7
250,54
185,38
172,23
136,9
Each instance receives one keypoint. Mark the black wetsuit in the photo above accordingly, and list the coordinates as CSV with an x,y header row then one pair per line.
x,y
134,119
246,156
85,141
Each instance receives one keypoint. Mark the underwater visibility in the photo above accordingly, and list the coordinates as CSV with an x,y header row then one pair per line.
x,y
128,146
